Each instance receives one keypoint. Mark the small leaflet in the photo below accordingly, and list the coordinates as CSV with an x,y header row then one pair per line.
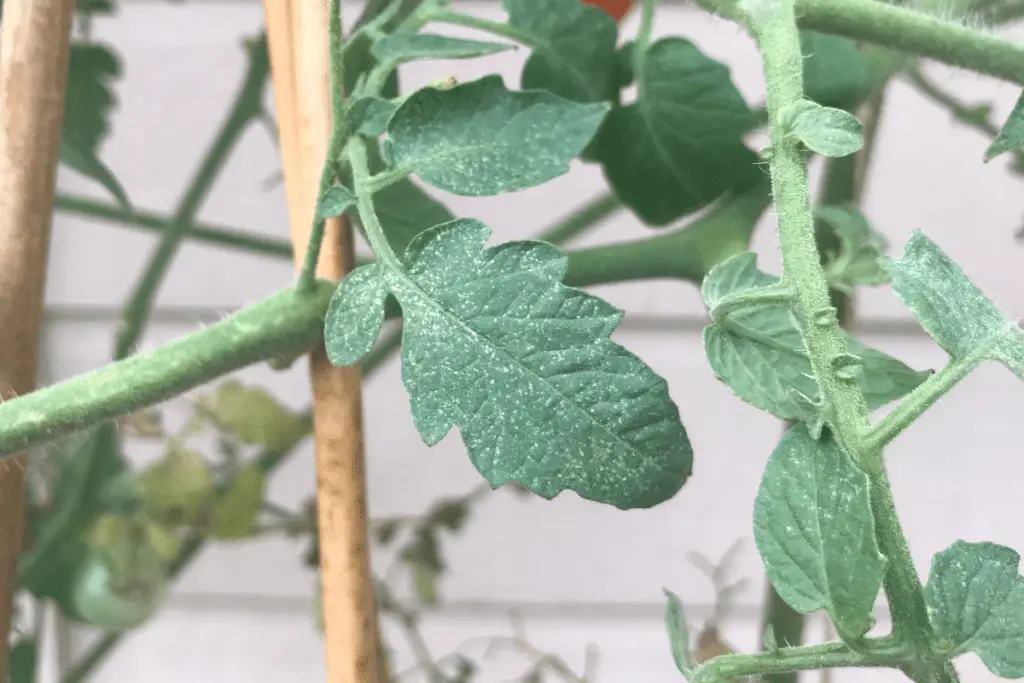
x,y
334,202
479,138
678,633
1011,135
815,531
975,598
828,131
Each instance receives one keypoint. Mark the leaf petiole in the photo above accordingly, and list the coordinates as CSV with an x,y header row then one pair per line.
x,y
881,652
362,183
778,294
496,28
922,398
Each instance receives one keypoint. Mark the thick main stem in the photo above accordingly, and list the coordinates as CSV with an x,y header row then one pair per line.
x,y
776,31
34,52
915,32
842,398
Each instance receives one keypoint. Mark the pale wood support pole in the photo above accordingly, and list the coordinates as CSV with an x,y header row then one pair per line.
x,y
297,34
34,52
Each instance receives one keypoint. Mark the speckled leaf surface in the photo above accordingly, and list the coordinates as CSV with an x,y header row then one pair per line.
x,y
355,315
815,531
573,48
494,344
479,138
975,598
950,308
761,356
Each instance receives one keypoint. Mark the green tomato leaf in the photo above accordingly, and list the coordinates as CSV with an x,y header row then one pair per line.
x,y
816,534
836,72
860,249
493,343
951,309
89,103
828,131
480,139
369,116
334,202
975,599
761,356
678,633
573,48
355,315
680,145
405,47
1011,135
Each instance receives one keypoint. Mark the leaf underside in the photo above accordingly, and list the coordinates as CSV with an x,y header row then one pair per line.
x,y
761,356
950,308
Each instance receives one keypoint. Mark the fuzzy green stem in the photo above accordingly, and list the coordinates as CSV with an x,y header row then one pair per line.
x,y
878,653
335,144
775,28
908,30
923,397
195,542
902,585
247,107
845,408
643,34
284,323
364,205
496,28
778,294
201,232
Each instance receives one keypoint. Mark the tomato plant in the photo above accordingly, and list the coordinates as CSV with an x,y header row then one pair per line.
x,y
506,343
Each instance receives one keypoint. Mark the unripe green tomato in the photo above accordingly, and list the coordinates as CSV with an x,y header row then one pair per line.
x,y
96,601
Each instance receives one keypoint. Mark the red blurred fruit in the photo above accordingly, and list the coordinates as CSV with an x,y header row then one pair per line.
x,y
616,8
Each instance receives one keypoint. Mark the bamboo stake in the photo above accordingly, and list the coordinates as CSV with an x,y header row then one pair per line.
x,y
34,53
300,68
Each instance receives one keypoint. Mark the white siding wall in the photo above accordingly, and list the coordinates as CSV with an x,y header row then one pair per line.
x,y
578,573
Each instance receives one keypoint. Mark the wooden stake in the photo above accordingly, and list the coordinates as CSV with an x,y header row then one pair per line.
x,y
34,53
298,39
